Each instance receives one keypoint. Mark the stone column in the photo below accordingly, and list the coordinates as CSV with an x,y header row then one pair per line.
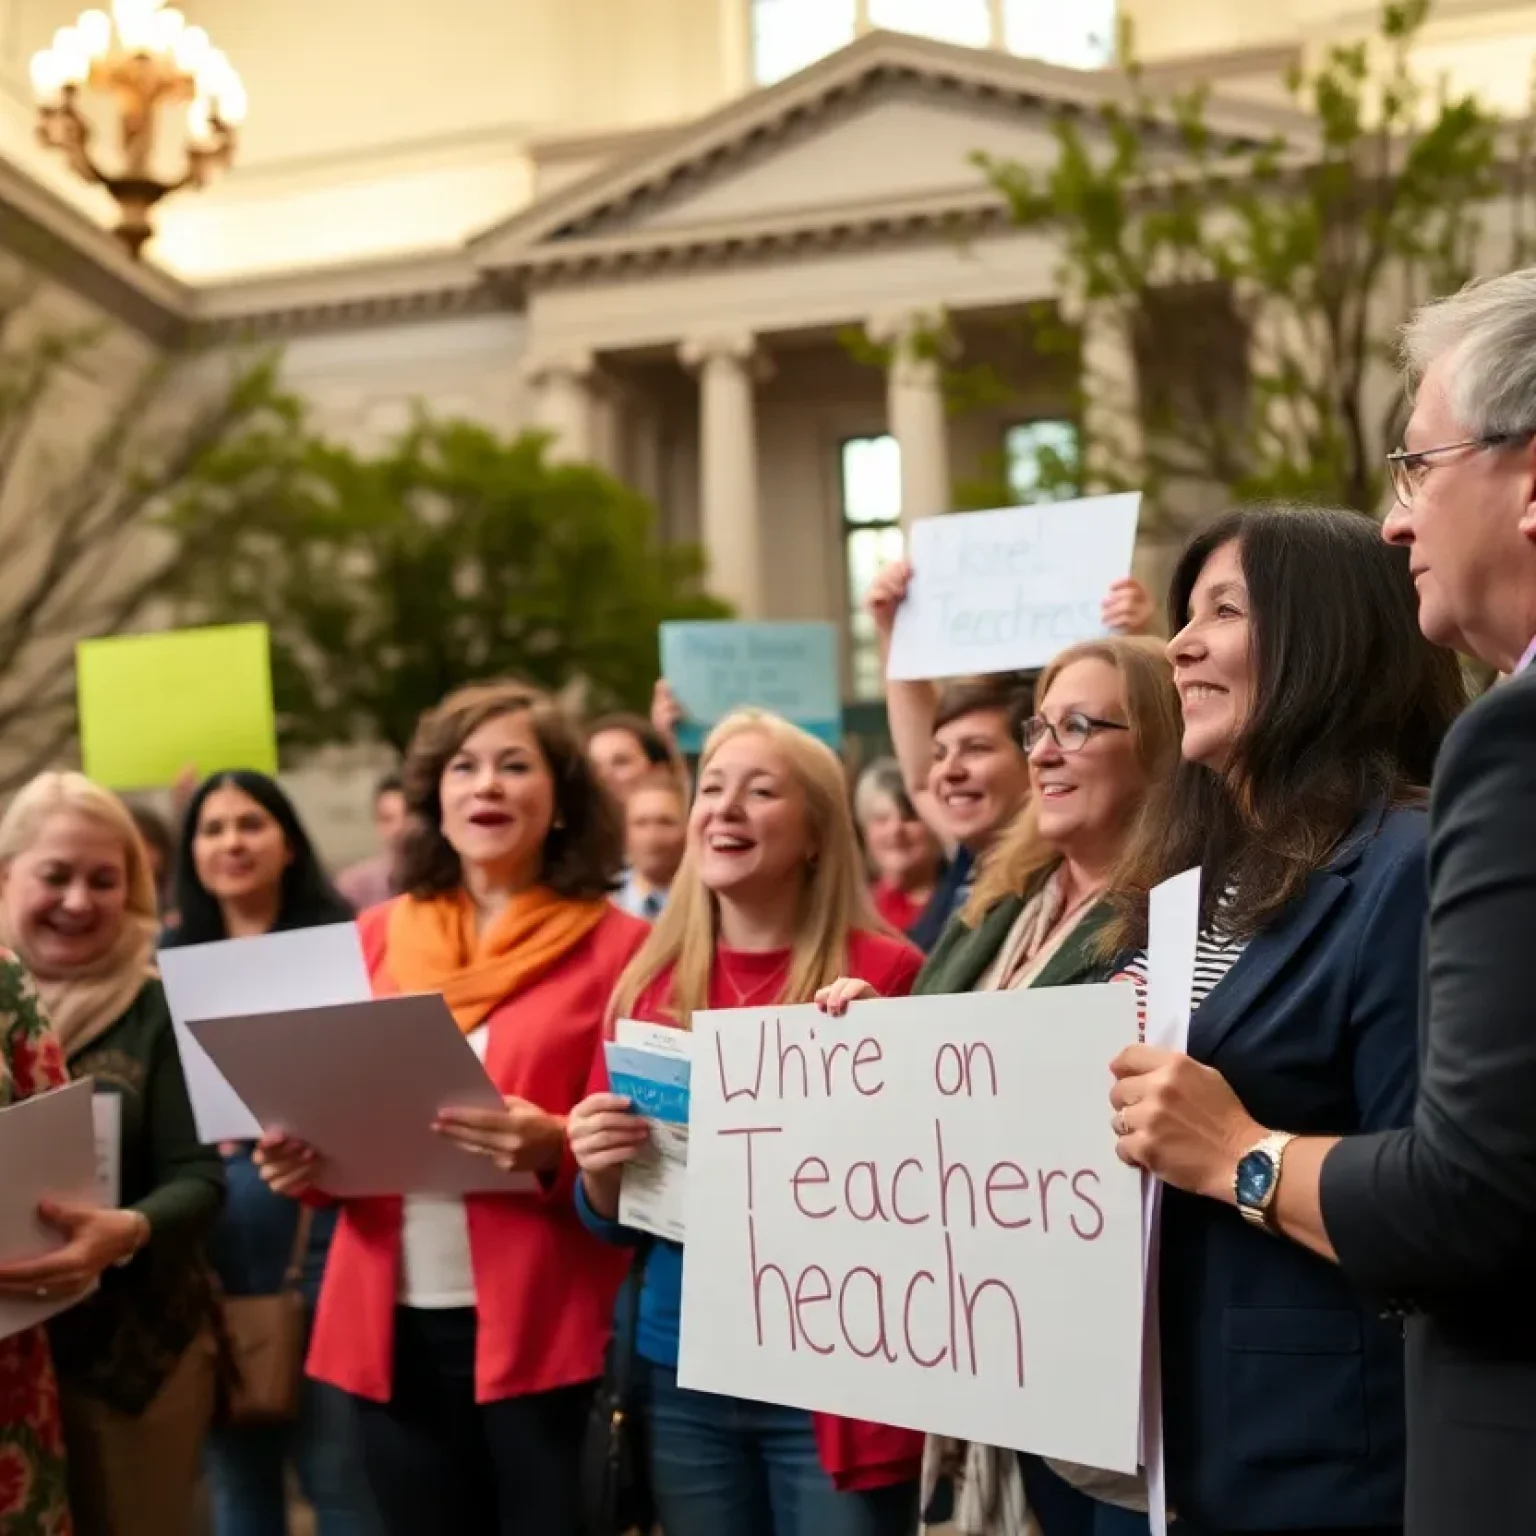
x,y
729,518
1111,400
562,387
915,411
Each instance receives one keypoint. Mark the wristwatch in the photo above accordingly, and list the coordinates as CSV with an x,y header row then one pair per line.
x,y
1258,1177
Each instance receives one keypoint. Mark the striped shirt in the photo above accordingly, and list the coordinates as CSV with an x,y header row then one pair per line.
x,y
1215,955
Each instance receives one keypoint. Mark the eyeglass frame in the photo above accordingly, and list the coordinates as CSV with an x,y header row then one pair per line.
x,y
1400,458
1092,725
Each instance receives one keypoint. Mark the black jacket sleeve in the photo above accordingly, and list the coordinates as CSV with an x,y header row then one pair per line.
x,y
1445,1209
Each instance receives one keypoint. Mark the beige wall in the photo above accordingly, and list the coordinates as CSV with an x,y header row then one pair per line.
x,y
376,129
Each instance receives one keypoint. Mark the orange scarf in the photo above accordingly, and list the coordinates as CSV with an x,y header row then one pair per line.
x,y
433,947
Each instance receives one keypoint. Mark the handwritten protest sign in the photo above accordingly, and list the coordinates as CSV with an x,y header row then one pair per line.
x,y
791,669
154,705
1002,591
914,1214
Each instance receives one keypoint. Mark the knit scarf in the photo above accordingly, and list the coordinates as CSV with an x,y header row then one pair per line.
x,y
434,946
83,1003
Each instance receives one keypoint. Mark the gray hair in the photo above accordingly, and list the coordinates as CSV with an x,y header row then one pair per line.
x,y
882,780
1488,330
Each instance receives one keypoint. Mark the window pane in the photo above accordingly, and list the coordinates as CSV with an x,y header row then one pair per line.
x,y
1080,34
952,21
871,480
867,550
1042,461
789,34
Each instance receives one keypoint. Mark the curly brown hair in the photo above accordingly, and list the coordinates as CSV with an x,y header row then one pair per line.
x,y
584,849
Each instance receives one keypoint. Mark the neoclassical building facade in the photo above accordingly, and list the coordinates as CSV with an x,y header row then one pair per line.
x,y
655,241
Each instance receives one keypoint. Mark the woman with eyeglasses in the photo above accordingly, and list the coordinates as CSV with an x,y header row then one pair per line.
x,y
1104,731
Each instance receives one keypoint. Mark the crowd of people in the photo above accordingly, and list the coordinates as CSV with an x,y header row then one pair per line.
x,y
1348,1146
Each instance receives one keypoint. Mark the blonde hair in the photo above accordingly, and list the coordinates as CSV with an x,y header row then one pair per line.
x,y
56,791
1021,855
834,898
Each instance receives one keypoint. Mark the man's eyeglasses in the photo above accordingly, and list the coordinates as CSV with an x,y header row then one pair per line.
x,y
1071,733
1409,469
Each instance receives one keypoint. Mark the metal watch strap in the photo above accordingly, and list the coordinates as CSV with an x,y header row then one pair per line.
x,y
1274,1146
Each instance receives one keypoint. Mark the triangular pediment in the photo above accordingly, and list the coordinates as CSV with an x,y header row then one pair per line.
x,y
888,123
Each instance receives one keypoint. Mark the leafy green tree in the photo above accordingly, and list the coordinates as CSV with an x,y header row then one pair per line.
x,y
455,555
1260,286
96,436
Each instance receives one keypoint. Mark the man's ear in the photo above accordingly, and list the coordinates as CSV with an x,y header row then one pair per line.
x,y
1527,524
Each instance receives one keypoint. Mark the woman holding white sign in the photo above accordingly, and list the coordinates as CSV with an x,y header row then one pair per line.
x,y
1313,711
1104,731
771,903
469,1332
960,749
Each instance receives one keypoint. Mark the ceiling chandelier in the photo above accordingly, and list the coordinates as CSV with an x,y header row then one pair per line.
x,y
149,66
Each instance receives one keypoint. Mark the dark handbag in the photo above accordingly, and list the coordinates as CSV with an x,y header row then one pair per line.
x,y
615,1451
261,1346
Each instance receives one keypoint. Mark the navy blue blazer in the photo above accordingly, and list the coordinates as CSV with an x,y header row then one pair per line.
x,y
1282,1388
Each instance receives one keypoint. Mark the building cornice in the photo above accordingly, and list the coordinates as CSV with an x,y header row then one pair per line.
x,y
870,65
394,290
54,237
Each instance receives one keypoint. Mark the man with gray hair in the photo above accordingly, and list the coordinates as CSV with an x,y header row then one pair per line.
x,y
1438,1220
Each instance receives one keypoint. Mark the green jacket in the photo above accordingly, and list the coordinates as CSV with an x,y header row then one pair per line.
x,y
962,955
123,1342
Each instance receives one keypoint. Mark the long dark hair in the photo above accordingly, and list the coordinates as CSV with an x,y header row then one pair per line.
x,y
1350,705
308,898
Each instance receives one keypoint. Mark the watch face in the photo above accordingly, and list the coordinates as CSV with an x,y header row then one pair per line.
x,y
1255,1179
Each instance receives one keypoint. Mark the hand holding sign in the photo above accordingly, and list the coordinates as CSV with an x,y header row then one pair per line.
x,y
1004,591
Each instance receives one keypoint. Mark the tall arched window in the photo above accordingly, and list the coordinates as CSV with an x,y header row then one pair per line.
x,y
787,35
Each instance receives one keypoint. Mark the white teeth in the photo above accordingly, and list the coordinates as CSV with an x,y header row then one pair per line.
x,y
728,844
1201,691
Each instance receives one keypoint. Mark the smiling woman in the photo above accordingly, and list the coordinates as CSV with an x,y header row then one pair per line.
x,y
470,1332
135,1357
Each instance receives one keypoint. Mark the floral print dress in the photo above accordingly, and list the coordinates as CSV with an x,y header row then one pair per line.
x,y
33,1496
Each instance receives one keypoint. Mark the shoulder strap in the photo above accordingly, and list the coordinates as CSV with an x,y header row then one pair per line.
x,y
302,1228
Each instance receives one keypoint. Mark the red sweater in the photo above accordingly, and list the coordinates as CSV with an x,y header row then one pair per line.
x,y
855,1454
544,1286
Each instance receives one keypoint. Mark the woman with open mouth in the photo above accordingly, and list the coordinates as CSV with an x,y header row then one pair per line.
x,y
469,1333
770,904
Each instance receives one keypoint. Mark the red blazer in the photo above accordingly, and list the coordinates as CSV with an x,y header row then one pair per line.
x,y
545,1287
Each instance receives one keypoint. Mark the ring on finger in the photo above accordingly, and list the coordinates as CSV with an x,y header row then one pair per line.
x,y
1122,1125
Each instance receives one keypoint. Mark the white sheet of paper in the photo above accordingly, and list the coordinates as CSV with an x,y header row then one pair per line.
x,y
362,1084
308,968
107,1122
1000,591
48,1151
1173,931
654,1188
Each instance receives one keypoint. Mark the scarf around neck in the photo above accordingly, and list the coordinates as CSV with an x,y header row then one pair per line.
x,y
434,946
83,1003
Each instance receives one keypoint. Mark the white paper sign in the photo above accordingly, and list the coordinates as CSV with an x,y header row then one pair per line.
x,y
362,1083
914,1215
1173,932
48,1151
107,1123
1001,591
307,968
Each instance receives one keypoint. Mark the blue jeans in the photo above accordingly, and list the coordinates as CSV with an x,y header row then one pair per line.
x,y
247,1471
726,1464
